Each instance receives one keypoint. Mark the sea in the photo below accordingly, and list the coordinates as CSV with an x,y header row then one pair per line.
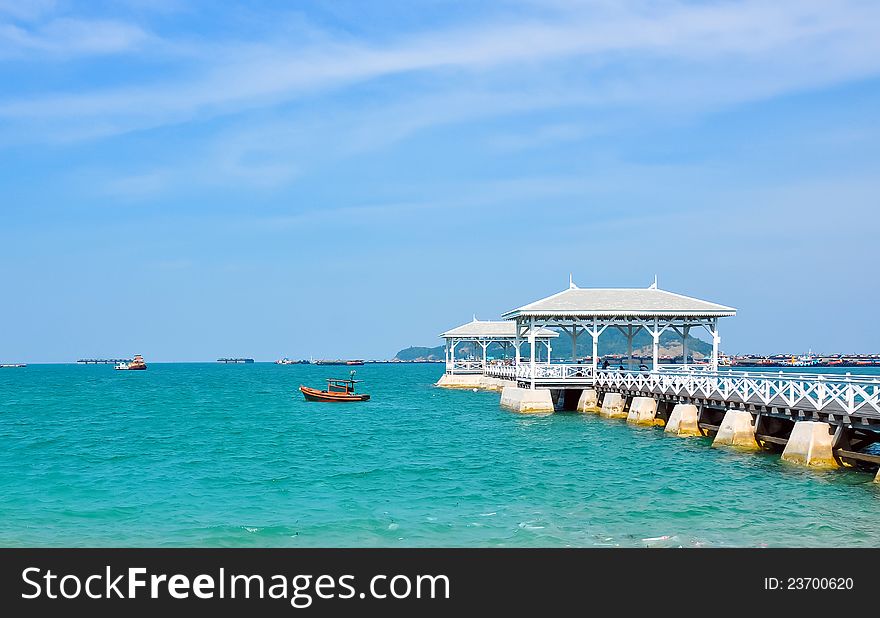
x,y
211,455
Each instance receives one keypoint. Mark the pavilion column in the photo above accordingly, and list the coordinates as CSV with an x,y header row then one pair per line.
x,y
685,347
594,334
716,343
532,350
574,342
629,348
547,343
595,354
452,355
484,346
655,360
517,343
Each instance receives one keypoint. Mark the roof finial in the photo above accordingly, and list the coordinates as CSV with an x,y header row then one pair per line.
x,y
571,285
653,286
475,317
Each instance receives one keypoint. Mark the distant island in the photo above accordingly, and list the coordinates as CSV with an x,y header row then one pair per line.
x,y
611,343
421,354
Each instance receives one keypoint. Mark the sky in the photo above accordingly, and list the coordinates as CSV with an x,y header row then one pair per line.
x,y
189,180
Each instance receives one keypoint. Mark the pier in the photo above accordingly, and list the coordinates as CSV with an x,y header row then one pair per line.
x,y
102,361
820,421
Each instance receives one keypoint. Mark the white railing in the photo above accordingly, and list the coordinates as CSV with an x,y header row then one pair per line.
x,y
831,393
555,372
850,395
464,366
505,372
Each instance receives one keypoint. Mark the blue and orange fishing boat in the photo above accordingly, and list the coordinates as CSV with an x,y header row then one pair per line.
x,y
338,390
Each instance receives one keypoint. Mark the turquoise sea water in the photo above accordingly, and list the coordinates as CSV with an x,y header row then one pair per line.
x,y
231,455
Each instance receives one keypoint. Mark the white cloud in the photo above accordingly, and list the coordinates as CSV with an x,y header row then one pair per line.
x,y
26,10
757,49
68,37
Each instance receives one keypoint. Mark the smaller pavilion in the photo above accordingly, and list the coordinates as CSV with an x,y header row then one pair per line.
x,y
484,333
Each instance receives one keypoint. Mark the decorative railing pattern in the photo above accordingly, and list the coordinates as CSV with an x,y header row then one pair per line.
x,y
464,366
846,394
851,395
556,373
505,372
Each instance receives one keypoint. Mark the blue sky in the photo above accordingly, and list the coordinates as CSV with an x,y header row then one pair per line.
x,y
350,178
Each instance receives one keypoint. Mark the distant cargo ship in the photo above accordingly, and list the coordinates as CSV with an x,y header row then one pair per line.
x,y
235,360
287,361
339,362
12,365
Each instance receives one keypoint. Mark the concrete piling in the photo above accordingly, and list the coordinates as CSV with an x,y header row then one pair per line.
x,y
466,381
810,444
527,401
683,421
471,381
588,401
613,406
737,430
642,411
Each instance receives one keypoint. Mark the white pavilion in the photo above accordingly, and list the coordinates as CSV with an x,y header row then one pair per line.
x,y
594,310
484,333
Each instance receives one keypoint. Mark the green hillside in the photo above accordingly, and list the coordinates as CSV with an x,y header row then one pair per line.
x,y
421,353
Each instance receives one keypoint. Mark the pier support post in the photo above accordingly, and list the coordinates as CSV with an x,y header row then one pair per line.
x,y
642,411
532,348
736,430
588,401
683,421
810,445
613,406
685,345
595,356
517,344
629,349
527,400
716,344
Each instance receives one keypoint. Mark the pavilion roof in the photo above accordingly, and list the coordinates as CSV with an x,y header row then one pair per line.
x,y
489,329
652,302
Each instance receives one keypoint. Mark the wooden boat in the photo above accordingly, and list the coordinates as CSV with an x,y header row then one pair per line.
x,y
337,391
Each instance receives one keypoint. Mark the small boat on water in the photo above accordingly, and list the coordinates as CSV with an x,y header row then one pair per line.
x,y
133,365
805,360
337,391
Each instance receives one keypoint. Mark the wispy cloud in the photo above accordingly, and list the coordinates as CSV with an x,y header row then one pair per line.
x,y
635,51
68,37
26,10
